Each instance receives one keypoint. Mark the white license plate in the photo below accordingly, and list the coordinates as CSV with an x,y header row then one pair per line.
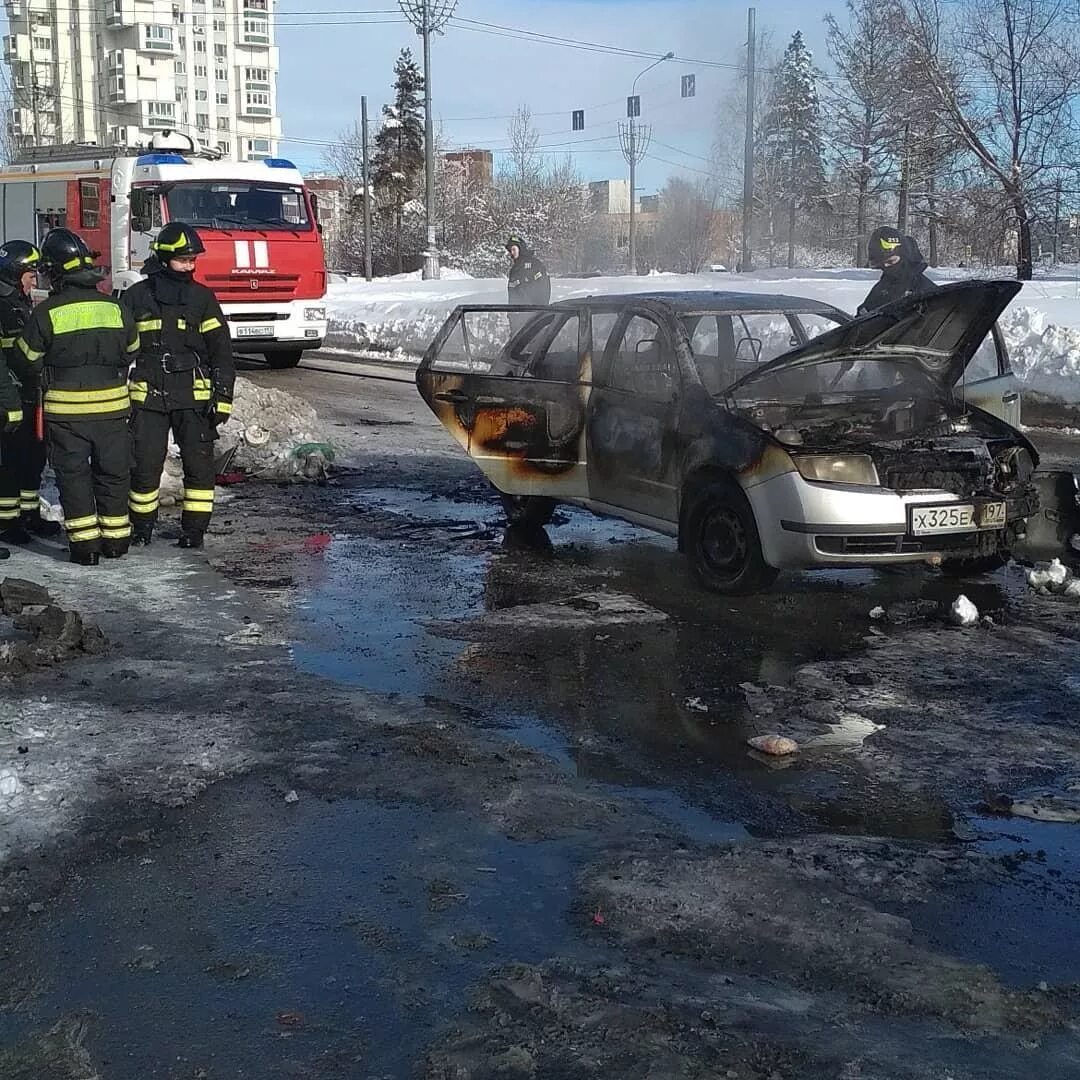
x,y
254,331
951,518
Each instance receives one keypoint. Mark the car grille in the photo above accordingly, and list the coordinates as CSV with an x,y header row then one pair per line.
x,y
905,545
960,472
236,288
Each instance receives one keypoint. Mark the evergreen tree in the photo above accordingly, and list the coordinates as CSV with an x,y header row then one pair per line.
x,y
789,145
398,160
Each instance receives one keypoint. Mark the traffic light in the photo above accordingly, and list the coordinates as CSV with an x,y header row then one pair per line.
x,y
633,106
578,120
688,86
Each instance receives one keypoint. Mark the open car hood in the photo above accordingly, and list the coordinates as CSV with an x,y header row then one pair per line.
x,y
939,331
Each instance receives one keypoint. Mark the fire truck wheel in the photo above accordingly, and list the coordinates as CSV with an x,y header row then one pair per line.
x,y
286,359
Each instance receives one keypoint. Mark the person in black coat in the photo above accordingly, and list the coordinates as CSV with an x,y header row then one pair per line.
x,y
528,282
902,266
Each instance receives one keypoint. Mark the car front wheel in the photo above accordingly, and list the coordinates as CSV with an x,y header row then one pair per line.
x,y
722,541
286,359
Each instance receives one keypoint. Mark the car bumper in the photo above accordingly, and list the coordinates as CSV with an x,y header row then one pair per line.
x,y
272,327
804,525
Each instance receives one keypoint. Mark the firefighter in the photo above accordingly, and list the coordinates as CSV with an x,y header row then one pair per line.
x,y
902,266
22,451
10,421
78,345
182,382
528,281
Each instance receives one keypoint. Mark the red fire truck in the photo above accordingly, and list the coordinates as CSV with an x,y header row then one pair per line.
x,y
264,255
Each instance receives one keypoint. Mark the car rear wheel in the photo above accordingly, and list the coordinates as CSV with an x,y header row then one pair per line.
x,y
722,541
287,359
973,567
530,510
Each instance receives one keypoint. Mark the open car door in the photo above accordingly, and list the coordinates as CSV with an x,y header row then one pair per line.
x,y
988,382
512,384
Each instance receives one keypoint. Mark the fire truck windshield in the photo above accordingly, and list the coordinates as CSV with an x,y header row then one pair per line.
x,y
238,205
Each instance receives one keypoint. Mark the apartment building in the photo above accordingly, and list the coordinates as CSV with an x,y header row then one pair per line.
x,y
114,72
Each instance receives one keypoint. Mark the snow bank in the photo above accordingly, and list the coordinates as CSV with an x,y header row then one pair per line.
x,y
397,317
276,435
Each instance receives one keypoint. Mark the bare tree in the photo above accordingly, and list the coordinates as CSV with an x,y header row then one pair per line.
x,y
526,164
1004,74
688,229
861,103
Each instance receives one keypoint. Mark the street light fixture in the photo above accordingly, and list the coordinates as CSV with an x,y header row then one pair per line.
x,y
428,16
635,140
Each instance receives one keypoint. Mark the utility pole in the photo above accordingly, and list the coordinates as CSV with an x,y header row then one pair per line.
x,y
635,141
1057,220
748,147
367,186
428,17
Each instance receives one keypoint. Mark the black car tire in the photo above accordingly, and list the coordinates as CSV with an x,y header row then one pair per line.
x,y
289,358
973,567
723,543
532,510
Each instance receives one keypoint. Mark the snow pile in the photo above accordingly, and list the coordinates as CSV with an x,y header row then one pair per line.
x,y
963,612
1056,578
1045,357
276,436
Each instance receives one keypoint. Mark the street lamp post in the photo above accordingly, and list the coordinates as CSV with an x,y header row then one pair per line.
x,y
635,144
429,17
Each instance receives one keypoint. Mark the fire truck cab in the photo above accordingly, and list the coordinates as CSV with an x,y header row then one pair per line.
x,y
264,253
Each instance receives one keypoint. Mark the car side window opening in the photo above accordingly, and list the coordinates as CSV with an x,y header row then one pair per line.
x,y
603,323
989,361
762,337
712,342
480,343
558,360
644,362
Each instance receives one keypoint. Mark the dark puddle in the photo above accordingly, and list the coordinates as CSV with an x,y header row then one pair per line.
x,y
265,939
1024,927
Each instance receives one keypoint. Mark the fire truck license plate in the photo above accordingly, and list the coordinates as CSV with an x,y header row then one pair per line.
x,y
254,331
966,517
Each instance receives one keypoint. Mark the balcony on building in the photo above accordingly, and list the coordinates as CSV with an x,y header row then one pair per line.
x,y
160,114
17,47
259,7
157,39
255,31
119,13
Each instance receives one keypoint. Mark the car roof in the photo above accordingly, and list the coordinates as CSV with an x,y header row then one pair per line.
x,y
709,300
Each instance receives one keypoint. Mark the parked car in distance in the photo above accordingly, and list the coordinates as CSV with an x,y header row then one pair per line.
x,y
766,433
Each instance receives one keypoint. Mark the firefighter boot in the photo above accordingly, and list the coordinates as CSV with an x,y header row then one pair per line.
x,y
191,540
114,549
16,533
81,557
4,554
142,535
33,523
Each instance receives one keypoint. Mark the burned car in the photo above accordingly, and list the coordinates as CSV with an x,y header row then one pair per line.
x,y
764,432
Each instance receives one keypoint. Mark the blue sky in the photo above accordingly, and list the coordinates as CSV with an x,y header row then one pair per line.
x,y
480,77
333,51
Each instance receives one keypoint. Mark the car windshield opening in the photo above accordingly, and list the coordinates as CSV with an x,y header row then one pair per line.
x,y
239,205
837,379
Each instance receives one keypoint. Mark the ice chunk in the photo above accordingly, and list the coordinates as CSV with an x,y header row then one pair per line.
x,y
776,745
963,612
877,613
1057,573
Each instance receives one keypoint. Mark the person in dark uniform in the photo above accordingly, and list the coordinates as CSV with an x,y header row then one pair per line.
x,y
528,281
182,382
78,345
22,450
10,421
902,266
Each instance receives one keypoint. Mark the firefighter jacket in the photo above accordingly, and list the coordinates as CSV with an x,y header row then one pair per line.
x,y
15,310
528,282
185,357
78,344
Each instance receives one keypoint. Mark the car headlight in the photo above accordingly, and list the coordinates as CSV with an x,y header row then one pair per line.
x,y
314,314
838,468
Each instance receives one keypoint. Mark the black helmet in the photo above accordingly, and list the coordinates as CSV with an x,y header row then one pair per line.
x,y
513,240
16,257
884,243
177,241
65,252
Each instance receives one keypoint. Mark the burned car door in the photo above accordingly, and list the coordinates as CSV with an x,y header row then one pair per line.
x,y
633,420
989,383
507,383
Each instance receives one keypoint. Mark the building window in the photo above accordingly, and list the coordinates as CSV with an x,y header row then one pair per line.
x,y
200,71
200,45
221,74
156,36
202,121
201,95
180,67
257,103
181,93
222,99
42,43
224,147
258,146
257,75
256,30
220,52
219,26
90,203
223,123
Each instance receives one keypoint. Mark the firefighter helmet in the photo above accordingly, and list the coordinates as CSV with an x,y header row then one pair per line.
x,y
884,243
16,258
177,241
66,252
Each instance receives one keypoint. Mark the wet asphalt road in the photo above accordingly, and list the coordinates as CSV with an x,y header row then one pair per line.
x,y
336,937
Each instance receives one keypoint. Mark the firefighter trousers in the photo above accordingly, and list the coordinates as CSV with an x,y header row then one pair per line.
x,y
195,434
23,456
92,462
